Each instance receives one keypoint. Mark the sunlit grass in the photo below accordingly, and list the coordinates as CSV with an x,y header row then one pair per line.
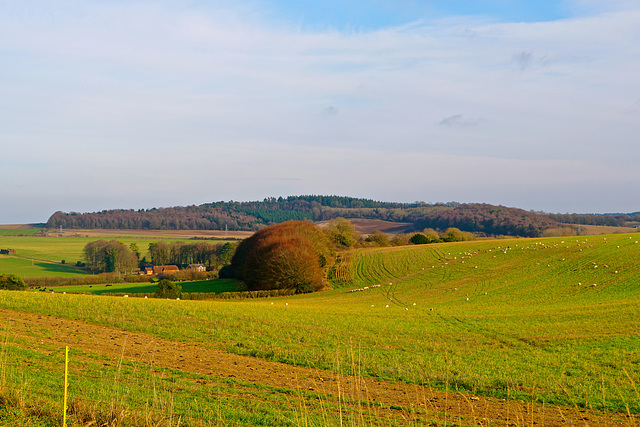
x,y
513,319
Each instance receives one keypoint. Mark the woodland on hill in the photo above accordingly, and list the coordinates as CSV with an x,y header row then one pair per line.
x,y
484,219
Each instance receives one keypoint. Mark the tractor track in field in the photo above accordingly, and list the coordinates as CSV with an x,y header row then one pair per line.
x,y
425,405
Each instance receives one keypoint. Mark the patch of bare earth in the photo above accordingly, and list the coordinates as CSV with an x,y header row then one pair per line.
x,y
176,234
426,403
368,226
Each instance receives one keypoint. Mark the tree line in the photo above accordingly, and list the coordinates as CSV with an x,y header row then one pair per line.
x,y
112,256
478,218
611,220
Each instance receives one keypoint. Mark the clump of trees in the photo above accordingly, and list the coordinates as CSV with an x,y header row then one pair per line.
x,y
12,282
429,235
291,255
103,256
180,253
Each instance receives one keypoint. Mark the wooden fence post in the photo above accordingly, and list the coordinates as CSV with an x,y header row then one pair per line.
x,y
66,383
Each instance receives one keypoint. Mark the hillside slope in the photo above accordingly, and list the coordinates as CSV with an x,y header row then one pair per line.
x,y
518,320
478,218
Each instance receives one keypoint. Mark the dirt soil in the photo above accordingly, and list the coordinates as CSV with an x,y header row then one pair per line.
x,y
449,407
368,226
179,234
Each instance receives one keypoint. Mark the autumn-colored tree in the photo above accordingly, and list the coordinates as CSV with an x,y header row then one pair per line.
x,y
432,235
379,238
342,233
400,239
291,255
453,234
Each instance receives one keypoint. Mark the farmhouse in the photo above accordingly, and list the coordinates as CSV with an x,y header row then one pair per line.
x,y
7,251
165,269
159,269
197,267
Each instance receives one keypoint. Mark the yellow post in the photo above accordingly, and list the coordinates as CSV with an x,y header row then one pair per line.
x,y
66,375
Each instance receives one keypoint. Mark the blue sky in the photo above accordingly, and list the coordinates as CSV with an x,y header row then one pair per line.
x,y
138,104
378,14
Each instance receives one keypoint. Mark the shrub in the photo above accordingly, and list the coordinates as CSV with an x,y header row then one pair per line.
x,y
419,239
378,238
12,282
342,233
400,240
453,234
168,289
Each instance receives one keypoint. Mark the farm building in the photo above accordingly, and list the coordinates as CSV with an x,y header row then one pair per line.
x,y
159,269
165,269
197,267
7,251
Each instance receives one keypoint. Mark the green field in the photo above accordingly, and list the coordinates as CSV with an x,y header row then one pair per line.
x,y
28,267
551,321
200,286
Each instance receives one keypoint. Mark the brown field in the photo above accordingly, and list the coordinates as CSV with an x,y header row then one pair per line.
x,y
178,234
16,227
368,226
603,229
449,408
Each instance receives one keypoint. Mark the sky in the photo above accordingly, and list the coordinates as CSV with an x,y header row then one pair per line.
x,y
113,104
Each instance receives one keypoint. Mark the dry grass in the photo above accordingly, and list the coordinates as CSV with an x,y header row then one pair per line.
x,y
17,227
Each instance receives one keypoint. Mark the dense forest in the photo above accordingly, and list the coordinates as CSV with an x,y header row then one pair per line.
x,y
612,220
474,217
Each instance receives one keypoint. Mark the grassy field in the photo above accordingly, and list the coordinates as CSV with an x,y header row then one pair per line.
x,y
200,286
27,267
551,321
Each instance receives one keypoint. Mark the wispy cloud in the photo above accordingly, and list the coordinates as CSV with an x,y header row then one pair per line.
x,y
458,120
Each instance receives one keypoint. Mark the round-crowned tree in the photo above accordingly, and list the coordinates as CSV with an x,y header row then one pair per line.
x,y
168,289
419,239
291,255
12,282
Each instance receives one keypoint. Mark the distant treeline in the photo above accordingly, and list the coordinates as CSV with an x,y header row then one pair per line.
x,y
475,217
612,220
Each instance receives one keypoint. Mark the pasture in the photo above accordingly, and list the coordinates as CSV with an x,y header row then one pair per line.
x,y
506,332
37,256
197,286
